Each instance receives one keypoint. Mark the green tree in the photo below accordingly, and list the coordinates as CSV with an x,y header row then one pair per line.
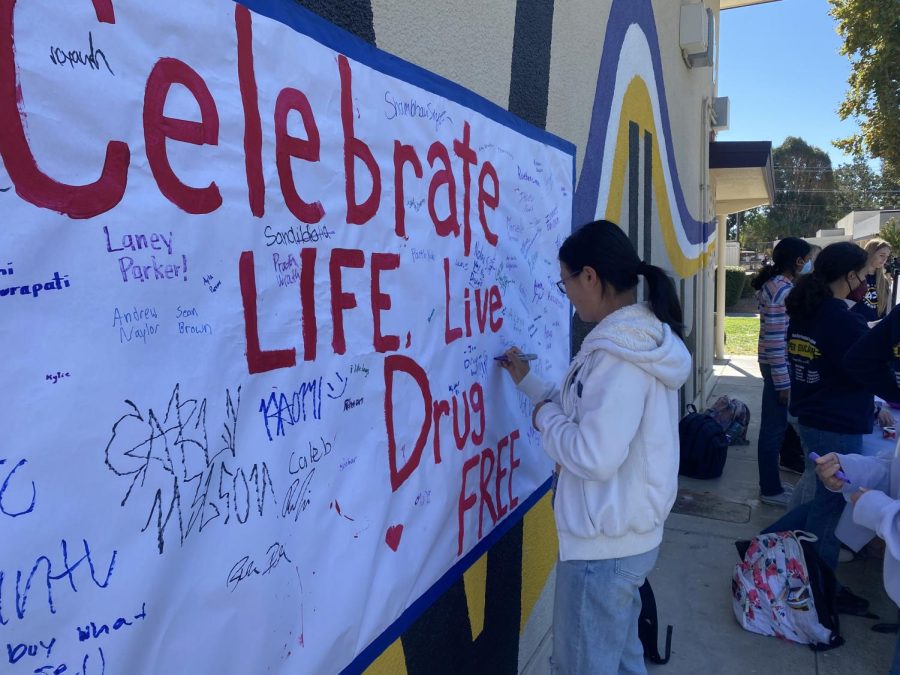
x,y
856,188
890,232
755,232
871,33
803,188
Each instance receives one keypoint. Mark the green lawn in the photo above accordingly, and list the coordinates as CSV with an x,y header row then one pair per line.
x,y
741,334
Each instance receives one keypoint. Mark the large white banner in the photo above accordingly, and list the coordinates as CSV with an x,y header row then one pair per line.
x,y
253,275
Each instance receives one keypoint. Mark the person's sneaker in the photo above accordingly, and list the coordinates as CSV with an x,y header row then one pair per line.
x,y
781,500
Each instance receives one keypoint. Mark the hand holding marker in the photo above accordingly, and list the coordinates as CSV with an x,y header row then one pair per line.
x,y
839,474
524,357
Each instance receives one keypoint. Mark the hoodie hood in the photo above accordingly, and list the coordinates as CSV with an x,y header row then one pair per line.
x,y
634,334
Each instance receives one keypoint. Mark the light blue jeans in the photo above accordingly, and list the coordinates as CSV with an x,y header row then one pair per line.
x,y
595,615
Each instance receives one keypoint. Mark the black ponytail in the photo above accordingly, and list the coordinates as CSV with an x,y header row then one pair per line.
x,y
663,297
784,259
811,290
604,247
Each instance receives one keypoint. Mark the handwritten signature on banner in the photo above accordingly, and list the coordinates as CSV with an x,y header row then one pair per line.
x,y
43,589
412,108
57,283
177,477
246,567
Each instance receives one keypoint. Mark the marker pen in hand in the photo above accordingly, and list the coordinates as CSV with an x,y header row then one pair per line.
x,y
523,357
840,474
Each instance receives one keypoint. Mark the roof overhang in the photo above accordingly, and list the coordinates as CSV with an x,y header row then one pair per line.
x,y
741,174
731,4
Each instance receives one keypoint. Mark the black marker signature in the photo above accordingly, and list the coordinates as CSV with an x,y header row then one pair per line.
x,y
246,567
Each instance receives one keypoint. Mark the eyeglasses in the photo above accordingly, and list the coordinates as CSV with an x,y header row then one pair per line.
x,y
561,284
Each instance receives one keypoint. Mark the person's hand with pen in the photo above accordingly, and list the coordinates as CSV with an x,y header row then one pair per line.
x,y
515,363
828,468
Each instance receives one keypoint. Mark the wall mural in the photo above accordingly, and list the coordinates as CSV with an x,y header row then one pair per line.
x,y
631,91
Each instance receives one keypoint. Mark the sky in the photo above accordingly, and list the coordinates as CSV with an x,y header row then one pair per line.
x,y
780,67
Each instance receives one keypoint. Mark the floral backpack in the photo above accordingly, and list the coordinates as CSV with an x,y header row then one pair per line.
x,y
782,588
733,416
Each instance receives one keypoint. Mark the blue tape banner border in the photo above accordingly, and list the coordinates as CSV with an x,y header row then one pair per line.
x,y
365,658
302,20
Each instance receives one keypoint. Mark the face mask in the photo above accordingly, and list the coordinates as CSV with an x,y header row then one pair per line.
x,y
807,267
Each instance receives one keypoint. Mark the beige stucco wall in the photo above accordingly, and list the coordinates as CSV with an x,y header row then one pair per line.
x,y
578,30
467,42
689,91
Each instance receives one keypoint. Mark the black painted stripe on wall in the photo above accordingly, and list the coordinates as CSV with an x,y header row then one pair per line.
x,y
648,202
354,16
682,393
634,158
440,641
529,80
648,197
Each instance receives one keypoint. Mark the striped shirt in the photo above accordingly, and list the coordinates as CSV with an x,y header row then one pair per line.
x,y
773,325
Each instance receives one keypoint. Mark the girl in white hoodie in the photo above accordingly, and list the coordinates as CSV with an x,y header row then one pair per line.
x,y
612,428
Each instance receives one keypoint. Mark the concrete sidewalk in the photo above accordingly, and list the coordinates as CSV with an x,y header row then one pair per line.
x,y
692,581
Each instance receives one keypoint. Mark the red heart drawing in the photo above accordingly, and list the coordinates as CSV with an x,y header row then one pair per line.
x,y
392,537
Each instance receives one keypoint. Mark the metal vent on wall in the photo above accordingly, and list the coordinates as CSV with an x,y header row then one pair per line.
x,y
697,35
721,111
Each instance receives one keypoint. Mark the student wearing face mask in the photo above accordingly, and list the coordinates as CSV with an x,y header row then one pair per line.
x,y
833,409
773,283
814,251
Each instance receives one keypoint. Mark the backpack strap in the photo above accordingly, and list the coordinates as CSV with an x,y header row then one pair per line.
x,y
805,535
648,627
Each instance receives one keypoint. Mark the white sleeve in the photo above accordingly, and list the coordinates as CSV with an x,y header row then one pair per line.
x,y
536,389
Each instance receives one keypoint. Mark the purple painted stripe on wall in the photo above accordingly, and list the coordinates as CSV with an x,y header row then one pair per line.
x,y
623,14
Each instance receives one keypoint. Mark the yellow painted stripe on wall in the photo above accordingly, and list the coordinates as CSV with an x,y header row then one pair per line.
x,y
636,107
475,581
615,203
539,554
392,661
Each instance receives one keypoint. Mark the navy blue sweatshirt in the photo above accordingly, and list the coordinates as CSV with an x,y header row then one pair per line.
x,y
874,361
868,305
823,395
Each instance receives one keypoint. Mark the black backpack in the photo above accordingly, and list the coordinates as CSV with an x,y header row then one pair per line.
x,y
648,627
703,445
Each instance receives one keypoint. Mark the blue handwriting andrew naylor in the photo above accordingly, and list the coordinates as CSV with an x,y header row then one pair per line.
x,y
129,323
